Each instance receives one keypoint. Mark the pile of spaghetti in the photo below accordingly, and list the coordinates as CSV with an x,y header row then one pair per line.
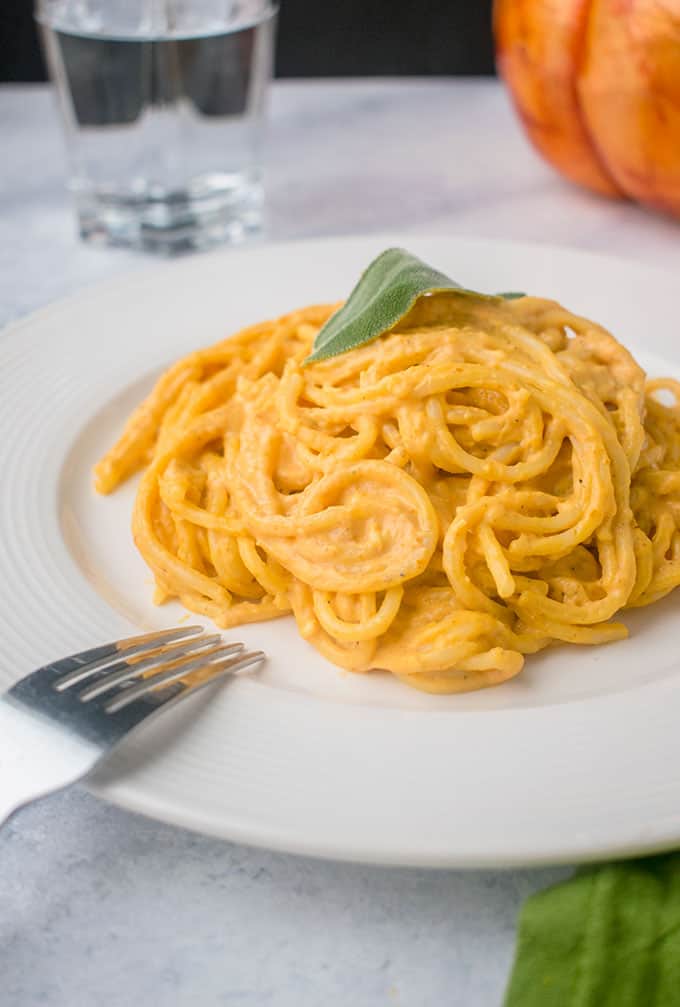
x,y
484,480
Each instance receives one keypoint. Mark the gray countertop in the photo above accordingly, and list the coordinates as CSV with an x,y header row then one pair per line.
x,y
101,907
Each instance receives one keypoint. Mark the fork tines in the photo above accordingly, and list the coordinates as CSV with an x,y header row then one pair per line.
x,y
133,668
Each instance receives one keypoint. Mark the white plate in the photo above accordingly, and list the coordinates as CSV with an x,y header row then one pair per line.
x,y
576,759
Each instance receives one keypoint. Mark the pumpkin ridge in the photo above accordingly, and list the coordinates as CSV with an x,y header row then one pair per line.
x,y
582,41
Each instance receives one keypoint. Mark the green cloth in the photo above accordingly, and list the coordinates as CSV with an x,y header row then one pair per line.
x,y
607,937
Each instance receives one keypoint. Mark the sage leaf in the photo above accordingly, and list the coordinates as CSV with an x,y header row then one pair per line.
x,y
386,291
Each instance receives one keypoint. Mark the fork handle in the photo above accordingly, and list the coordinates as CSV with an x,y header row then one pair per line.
x,y
36,759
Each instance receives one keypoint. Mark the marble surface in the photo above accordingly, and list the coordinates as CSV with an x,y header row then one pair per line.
x,y
101,907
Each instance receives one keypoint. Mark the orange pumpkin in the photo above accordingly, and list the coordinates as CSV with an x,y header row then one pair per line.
x,y
597,86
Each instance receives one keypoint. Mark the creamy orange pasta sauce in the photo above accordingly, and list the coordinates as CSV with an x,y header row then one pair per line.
x,y
482,481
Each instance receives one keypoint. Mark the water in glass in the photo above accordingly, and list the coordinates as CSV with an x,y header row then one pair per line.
x,y
163,107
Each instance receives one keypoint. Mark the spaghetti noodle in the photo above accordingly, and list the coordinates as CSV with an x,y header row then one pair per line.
x,y
480,482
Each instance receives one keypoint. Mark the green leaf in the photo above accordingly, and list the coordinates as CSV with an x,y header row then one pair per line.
x,y
386,291
607,937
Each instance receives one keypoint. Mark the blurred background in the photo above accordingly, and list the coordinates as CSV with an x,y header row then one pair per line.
x,y
321,39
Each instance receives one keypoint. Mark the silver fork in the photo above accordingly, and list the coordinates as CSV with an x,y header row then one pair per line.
x,y
58,722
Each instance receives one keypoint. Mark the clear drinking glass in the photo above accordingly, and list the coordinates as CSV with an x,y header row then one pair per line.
x,y
163,104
